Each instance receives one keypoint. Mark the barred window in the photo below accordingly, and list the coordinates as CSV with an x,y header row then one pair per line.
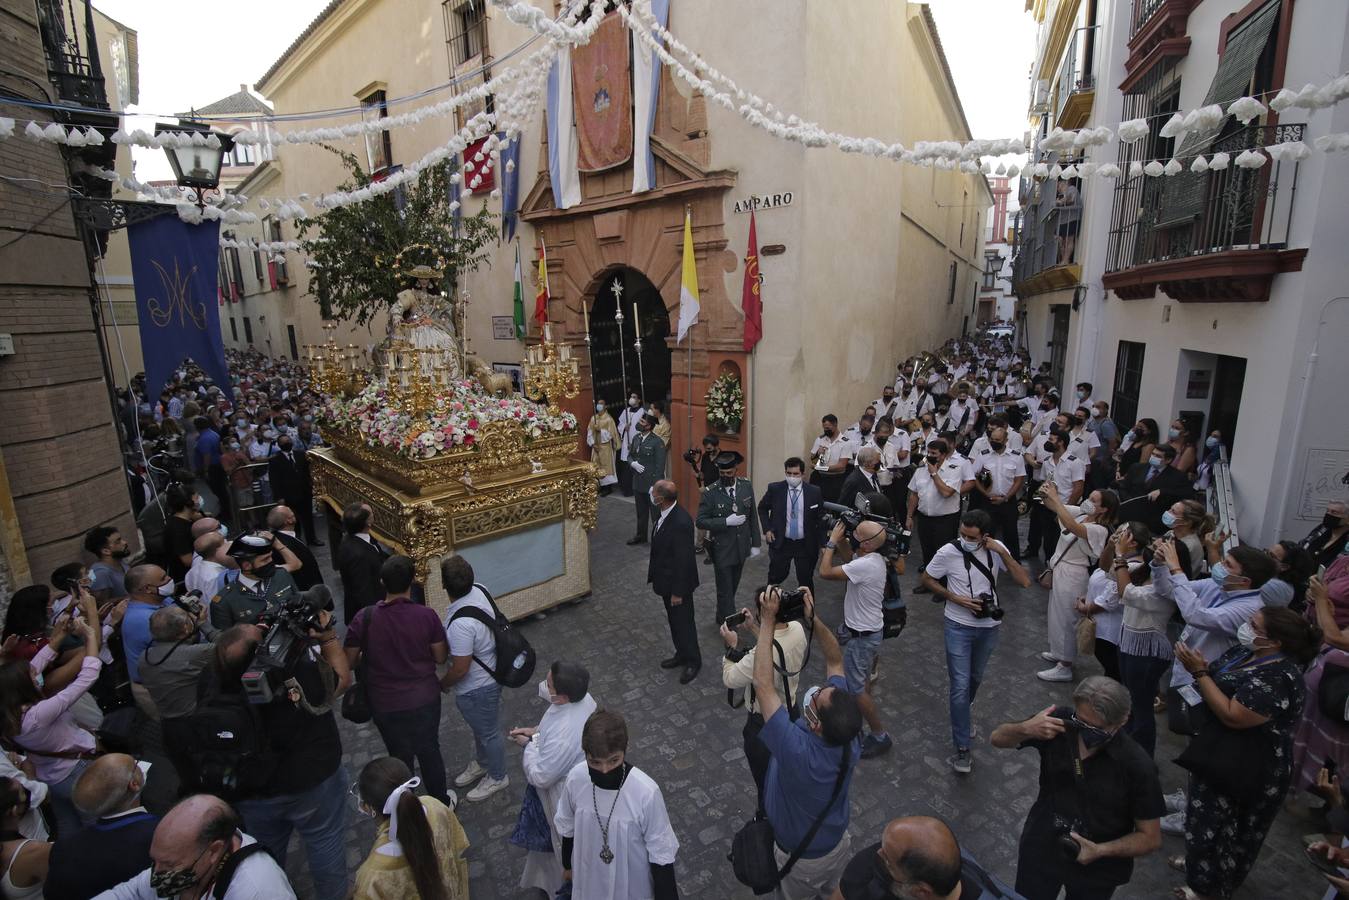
x,y
378,146
465,30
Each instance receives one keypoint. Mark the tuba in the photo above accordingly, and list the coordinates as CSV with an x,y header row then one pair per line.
x,y
924,362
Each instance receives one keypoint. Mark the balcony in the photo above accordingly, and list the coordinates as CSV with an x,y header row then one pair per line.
x,y
1075,90
1157,31
1046,238
1212,237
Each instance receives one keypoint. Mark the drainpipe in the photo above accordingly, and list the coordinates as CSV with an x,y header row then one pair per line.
x,y
1303,397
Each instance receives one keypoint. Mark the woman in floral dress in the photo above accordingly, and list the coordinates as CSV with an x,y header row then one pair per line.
x,y
1257,684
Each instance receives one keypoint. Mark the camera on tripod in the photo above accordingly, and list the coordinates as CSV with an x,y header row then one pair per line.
x,y
870,507
288,636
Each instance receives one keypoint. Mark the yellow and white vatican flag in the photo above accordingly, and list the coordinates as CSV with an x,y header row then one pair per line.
x,y
688,287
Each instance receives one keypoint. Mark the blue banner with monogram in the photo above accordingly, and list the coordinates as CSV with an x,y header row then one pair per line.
x,y
174,265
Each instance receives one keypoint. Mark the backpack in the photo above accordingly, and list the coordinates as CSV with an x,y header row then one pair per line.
x,y
514,656
226,746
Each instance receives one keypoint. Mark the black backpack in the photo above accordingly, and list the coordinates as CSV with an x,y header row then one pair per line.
x,y
226,746
515,657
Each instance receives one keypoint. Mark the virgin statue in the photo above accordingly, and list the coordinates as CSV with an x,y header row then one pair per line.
x,y
426,320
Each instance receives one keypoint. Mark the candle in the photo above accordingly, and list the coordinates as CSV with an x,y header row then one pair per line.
x,y
548,331
636,322
585,314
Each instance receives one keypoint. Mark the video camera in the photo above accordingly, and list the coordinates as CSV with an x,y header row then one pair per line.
x,y
288,636
870,507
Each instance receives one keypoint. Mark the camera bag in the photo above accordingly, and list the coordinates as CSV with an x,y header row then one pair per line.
x,y
226,744
515,657
752,857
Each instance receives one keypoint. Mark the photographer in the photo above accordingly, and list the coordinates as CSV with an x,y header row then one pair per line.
x,y
170,670
302,784
1100,801
737,672
863,618
964,573
704,463
812,763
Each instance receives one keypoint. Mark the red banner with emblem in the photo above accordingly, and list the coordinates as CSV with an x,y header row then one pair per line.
x,y
602,97
751,300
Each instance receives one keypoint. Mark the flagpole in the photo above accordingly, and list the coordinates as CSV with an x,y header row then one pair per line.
x,y
688,217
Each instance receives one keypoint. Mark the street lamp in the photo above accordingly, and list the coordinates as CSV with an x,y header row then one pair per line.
x,y
195,157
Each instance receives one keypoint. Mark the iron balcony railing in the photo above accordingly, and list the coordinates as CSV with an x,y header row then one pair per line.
x,y
1047,229
1078,71
1192,214
71,48
1143,11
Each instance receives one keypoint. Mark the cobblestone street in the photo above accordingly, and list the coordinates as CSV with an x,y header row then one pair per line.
x,y
689,741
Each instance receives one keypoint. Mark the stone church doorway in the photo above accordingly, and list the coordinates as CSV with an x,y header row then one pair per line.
x,y
618,368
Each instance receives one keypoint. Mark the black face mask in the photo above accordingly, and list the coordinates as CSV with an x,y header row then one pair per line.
x,y
728,480
997,446
262,573
933,460
607,781
1330,521
881,439
284,448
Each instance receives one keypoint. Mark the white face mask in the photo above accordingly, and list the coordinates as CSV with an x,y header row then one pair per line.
x,y
1246,635
166,590
794,481
651,492
544,694
968,546
1088,508
1095,413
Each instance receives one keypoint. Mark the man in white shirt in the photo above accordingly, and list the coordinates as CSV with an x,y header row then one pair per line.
x,y
934,499
1083,396
863,625
1082,441
192,855
1014,441
999,473
1068,471
894,447
887,405
964,573
831,454
208,565
919,400
627,433
551,750
859,432
964,411
473,659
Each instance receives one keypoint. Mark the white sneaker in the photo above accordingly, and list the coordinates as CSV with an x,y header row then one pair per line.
x,y
469,775
1175,802
1174,823
1058,673
487,787
454,800
1048,657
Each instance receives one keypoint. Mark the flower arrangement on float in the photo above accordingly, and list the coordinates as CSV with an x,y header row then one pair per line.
x,y
453,420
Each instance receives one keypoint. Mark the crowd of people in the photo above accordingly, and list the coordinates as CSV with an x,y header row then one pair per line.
x,y
224,636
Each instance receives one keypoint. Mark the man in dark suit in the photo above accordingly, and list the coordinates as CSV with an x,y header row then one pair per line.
x,y
281,523
673,574
359,559
726,512
789,514
288,472
646,458
863,479
115,847
1152,486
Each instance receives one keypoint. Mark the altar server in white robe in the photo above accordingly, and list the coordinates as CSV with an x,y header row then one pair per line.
x,y
552,750
617,841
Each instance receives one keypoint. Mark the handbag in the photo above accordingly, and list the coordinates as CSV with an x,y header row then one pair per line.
x,y
1332,695
752,857
1086,635
356,701
1225,758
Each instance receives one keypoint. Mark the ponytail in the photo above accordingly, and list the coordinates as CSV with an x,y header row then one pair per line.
x,y
419,848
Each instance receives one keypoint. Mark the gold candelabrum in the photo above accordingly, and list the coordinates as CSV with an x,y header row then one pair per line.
x,y
334,368
413,376
551,372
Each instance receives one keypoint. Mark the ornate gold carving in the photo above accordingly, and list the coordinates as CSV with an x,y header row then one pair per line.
x,y
497,521
582,498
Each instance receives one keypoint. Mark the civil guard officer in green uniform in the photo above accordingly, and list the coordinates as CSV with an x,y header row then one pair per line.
x,y
261,586
726,511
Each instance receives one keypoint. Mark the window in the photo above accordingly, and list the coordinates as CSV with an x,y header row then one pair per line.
x,y
259,257
294,347
992,265
1128,381
378,146
280,274
248,330
465,29
242,155
236,271
951,293
222,283
234,330
964,202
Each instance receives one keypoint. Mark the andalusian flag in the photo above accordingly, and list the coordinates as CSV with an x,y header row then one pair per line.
x,y
541,298
519,297
688,287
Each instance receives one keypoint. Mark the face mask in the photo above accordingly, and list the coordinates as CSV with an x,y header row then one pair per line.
x,y
544,694
1131,434
1155,463
634,403
881,439
1246,635
166,590
933,460
201,503
285,448
599,407
1211,442
1081,395
968,546
807,709
1087,508
1095,737
234,445
1173,433
997,446
1218,572
1330,521
262,573
242,423
1169,519
794,481
1095,413
175,881
728,480
608,781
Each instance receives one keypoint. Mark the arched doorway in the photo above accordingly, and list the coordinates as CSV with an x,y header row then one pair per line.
x,y
616,373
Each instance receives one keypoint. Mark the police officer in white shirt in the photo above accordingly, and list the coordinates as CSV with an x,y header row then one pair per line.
x,y
999,473
934,499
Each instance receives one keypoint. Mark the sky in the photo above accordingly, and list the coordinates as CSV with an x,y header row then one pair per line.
x,y
988,43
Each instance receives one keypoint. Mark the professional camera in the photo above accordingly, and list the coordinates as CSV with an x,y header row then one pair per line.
x,y
989,607
985,477
1063,838
792,605
692,456
190,603
288,636
871,507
